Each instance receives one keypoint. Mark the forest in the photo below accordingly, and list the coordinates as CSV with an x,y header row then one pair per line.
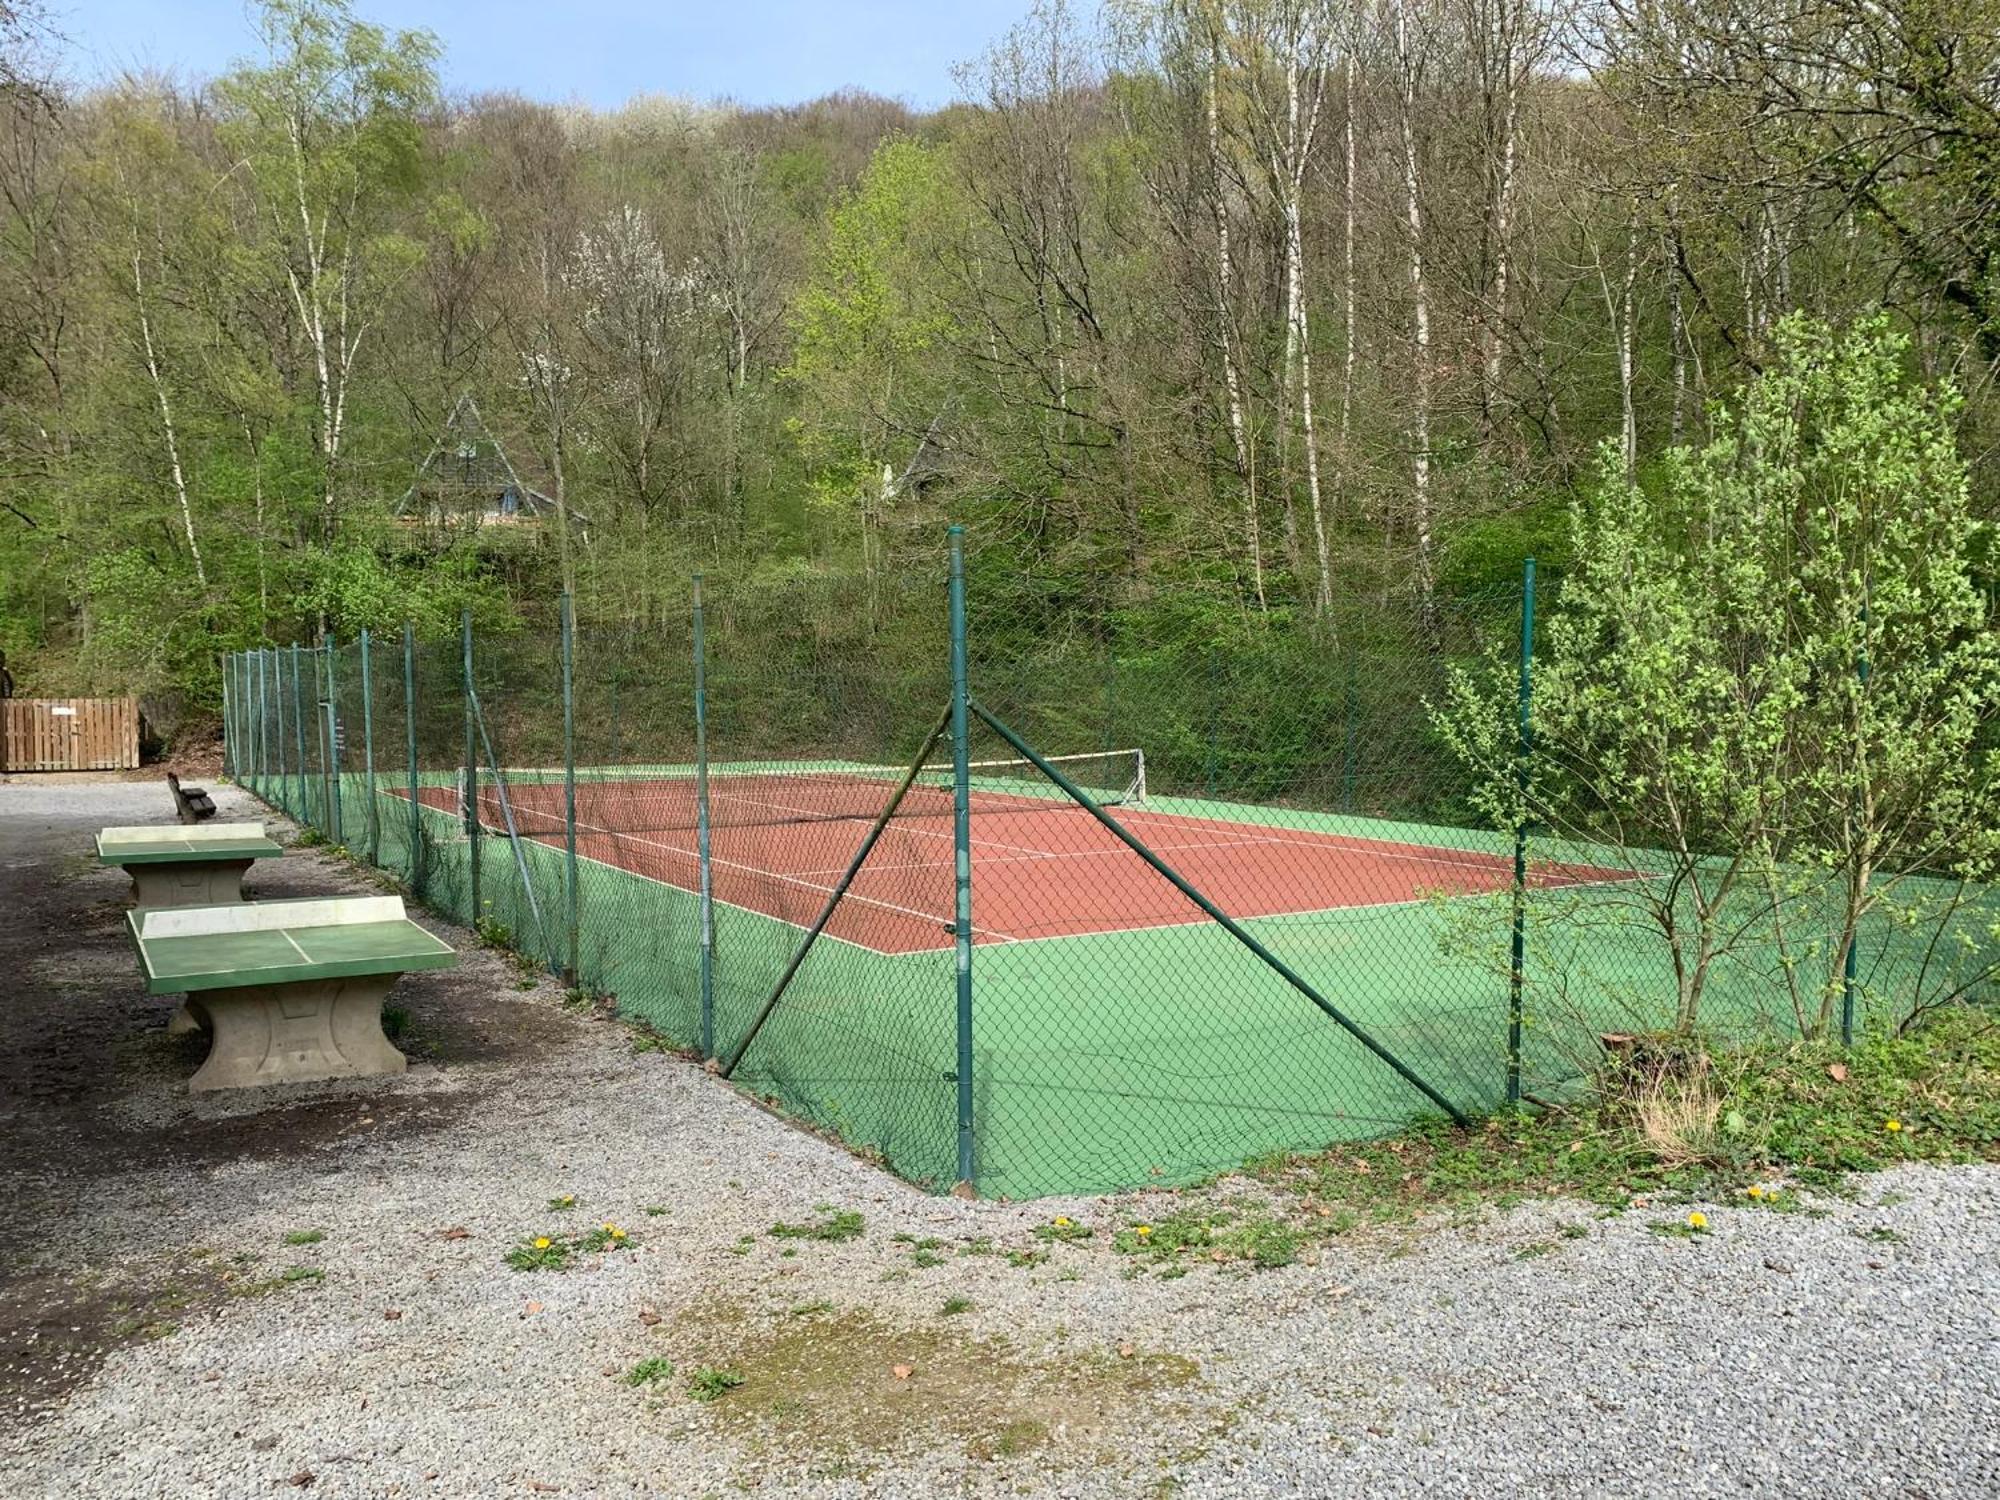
x,y
1208,319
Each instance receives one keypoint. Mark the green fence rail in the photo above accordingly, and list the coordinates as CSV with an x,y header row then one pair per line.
x,y
1018,896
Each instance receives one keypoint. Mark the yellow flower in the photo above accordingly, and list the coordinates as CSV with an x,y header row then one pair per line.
x,y
542,1243
1754,1190
1061,1222
1697,1220
618,1234
567,1198
1142,1230
1892,1125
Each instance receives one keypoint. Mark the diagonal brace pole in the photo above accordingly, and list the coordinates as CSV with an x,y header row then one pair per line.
x,y
839,890
1215,913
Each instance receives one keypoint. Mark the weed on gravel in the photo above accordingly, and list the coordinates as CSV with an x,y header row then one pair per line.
x,y
833,1226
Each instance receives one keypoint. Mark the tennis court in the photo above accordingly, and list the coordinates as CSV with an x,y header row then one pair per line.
x,y
1042,867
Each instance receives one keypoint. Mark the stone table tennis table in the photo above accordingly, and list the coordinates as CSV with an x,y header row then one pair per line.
x,y
199,865
290,991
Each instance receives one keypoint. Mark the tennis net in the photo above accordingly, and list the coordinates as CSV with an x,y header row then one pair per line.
x,y
639,799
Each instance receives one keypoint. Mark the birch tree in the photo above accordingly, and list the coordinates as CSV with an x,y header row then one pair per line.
x,y
327,141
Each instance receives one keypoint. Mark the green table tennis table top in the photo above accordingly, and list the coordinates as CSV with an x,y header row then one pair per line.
x,y
280,942
171,843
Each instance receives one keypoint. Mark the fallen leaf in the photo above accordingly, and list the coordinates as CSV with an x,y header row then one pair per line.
x,y
1837,1072
1125,1351
1340,1291
648,1316
1574,1147
530,1309
391,1314
303,1480
903,1372
456,1232
541,1489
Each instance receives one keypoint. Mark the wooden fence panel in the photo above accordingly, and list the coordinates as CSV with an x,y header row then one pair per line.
x,y
69,734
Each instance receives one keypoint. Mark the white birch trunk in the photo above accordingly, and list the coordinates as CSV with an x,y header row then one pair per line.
x,y
1232,381
166,421
1422,520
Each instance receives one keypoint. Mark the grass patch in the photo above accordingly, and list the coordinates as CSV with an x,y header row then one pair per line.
x,y
712,1383
304,1236
850,1388
650,1371
1806,1113
953,1306
831,1227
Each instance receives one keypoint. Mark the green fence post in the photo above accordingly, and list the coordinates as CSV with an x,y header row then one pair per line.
x,y
703,832
1850,966
332,798
265,707
223,669
1524,745
281,761
368,752
961,839
471,763
299,737
570,896
410,736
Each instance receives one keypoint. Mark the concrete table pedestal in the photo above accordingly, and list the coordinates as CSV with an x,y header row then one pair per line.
x,y
294,1033
207,882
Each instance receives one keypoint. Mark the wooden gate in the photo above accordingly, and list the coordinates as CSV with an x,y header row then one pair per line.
x,y
69,734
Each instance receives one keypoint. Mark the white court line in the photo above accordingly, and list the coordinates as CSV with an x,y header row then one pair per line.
x,y
767,874
295,945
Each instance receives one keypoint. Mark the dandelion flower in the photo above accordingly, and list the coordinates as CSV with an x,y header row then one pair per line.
x,y
618,1234
1142,1230
1697,1220
1754,1190
1061,1222
542,1242
1892,1126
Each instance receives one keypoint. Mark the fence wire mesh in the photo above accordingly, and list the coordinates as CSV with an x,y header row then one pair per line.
x,y
1230,891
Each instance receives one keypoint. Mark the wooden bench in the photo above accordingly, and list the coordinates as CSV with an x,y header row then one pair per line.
x,y
192,804
290,991
174,866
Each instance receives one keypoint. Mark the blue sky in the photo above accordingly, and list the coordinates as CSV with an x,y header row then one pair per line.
x,y
598,51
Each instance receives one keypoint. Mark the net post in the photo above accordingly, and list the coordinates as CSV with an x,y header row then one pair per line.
x,y
299,738
704,849
1524,745
368,750
571,930
410,748
331,761
471,762
961,842
264,710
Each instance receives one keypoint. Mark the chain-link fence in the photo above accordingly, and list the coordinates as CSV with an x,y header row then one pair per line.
x,y
1052,901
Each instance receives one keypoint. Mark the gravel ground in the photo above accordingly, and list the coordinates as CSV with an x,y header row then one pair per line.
x,y
159,1337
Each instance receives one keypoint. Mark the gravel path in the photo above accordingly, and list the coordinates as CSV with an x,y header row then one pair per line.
x,y
158,1336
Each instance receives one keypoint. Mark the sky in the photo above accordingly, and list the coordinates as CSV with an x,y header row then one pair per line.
x,y
599,52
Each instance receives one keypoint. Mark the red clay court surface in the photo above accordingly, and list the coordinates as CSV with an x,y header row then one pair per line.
x,y
1038,871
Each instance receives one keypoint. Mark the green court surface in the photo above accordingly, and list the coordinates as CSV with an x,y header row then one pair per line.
x,y
184,949
1125,1058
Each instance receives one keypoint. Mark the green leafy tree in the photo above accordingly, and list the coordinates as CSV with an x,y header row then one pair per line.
x,y
1768,686
872,329
328,131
